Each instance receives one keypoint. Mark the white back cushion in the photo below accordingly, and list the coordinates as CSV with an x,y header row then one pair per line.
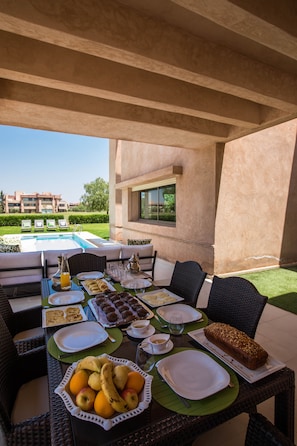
x,y
141,250
51,256
20,260
111,252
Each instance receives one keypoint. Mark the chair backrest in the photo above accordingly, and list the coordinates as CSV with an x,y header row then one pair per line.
x,y
6,312
63,223
9,375
187,280
86,262
51,223
38,224
261,432
237,302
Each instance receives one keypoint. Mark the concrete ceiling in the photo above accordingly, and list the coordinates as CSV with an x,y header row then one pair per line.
x,y
186,73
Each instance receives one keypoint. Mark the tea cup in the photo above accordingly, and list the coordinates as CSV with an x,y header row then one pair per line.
x,y
159,342
140,327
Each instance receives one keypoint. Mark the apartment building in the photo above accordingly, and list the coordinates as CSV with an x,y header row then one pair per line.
x,y
44,203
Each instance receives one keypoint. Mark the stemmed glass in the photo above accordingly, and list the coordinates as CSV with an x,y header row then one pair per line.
x,y
144,356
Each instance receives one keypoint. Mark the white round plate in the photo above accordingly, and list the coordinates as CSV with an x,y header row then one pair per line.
x,y
189,314
167,349
79,337
148,332
136,284
90,275
66,298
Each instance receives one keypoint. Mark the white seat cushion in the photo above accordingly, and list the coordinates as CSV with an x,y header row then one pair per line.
x,y
31,401
27,334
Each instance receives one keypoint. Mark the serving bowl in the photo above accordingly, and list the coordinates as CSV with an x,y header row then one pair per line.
x,y
145,397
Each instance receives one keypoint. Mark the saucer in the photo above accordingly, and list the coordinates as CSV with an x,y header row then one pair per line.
x,y
148,332
167,349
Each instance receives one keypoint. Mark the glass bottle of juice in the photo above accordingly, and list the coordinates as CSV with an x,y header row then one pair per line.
x,y
65,274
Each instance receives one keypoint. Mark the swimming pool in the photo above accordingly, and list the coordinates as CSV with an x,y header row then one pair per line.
x,y
45,242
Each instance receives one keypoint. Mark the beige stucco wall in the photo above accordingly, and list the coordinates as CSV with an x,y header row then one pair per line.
x,y
193,235
257,201
231,216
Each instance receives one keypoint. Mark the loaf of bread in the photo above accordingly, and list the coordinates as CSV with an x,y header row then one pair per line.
x,y
237,344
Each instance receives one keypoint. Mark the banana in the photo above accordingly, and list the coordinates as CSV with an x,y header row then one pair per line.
x,y
89,363
110,391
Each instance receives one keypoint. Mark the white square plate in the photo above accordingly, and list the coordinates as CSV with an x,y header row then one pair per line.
x,y
93,293
158,298
79,337
193,374
272,365
64,321
189,313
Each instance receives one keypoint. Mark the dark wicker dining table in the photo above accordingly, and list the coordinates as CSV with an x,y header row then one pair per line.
x,y
158,425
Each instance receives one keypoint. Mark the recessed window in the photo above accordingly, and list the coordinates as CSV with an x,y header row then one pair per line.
x,y
158,203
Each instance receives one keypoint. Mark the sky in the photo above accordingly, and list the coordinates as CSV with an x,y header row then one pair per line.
x,y
40,161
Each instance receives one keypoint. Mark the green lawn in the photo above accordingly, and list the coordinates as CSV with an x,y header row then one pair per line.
x,y
278,284
99,229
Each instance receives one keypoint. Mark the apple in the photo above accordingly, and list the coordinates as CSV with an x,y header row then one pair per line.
x,y
95,381
85,398
120,376
131,398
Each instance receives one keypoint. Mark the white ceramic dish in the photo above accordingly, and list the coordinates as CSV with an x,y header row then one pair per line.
x,y
90,275
144,397
193,374
79,337
189,314
66,298
93,293
136,284
272,365
64,321
149,332
158,298
167,349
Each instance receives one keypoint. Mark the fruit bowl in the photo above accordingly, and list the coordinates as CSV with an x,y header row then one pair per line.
x,y
106,423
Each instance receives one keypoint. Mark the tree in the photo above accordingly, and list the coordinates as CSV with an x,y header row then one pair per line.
x,y
96,197
1,202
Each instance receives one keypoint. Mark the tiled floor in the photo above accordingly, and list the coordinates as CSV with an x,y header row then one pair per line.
x,y
277,333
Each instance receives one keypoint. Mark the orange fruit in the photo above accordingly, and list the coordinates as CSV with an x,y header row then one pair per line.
x,y
78,381
135,381
102,406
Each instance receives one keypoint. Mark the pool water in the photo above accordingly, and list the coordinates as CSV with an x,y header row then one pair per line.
x,y
47,242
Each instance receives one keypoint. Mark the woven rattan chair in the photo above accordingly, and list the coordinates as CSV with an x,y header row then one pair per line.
x,y
16,371
24,326
237,302
261,432
187,280
80,263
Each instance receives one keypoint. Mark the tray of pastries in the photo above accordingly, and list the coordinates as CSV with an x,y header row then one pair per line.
x,y
69,314
113,309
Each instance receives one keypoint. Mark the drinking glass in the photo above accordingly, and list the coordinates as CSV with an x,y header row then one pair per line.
x,y
175,324
144,356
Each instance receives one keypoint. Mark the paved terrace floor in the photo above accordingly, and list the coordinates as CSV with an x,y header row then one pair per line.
x,y
277,333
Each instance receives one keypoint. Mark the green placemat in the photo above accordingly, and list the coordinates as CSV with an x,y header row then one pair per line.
x,y
165,396
107,347
188,327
